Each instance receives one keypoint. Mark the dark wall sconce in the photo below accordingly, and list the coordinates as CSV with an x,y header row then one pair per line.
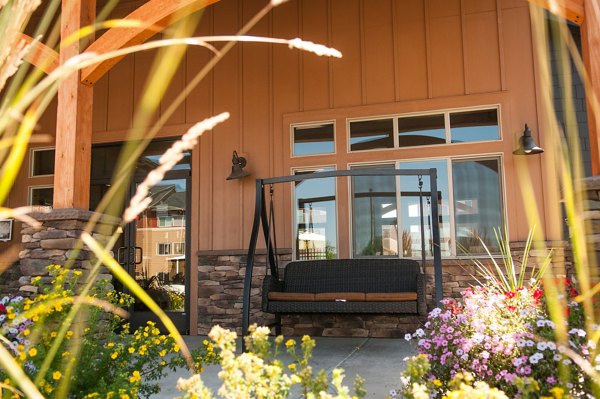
x,y
527,145
237,170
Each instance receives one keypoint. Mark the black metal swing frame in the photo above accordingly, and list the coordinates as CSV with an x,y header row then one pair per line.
x,y
262,217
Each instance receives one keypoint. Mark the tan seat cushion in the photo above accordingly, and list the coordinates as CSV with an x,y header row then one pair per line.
x,y
340,296
391,296
291,296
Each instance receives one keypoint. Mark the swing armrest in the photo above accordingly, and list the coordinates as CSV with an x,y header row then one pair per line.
x,y
270,284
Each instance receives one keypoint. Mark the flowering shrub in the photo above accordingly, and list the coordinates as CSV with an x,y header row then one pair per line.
x,y
96,356
503,339
258,374
462,386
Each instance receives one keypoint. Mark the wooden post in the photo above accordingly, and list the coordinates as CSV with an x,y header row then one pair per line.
x,y
74,117
590,38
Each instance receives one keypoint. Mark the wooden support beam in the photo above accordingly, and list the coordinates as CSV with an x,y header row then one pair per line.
x,y
40,55
572,10
155,16
72,161
590,40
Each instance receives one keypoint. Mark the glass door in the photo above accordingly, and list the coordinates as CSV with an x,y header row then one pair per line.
x,y
157,254
153,248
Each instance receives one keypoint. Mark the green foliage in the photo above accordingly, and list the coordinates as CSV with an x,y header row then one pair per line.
x,y
98,356
259,374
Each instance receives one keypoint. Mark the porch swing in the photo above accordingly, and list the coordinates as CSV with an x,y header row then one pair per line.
x,y
361,285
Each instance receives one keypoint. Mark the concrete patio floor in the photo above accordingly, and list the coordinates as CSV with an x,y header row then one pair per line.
x,y
378,360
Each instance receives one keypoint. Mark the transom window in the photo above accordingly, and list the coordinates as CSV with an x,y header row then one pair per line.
x,y
420,130
313,139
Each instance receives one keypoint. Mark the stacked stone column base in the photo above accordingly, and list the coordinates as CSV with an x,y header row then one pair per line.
x,y
55,243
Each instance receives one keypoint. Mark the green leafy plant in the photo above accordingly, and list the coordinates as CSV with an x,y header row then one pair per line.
x,y
511,275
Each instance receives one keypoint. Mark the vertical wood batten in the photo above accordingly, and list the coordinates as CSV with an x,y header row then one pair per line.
x,y
74,117
590,31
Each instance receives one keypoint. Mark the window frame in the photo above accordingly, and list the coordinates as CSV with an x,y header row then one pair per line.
x,y
175,244
32,151
447,128
449,160
308,125
165,244
36,187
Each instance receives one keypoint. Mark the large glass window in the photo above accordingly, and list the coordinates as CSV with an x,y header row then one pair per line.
x,y
315,214
374,215
469,209
314,139
411,214
371,134
477,204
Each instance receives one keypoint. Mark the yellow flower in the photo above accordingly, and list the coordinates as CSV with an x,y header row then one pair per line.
x,y
69,334
77,272
558,392
142,350
205,342
124,396
53,334
114,355
110,344
48,388
135,377
292,367
26,332
437,383
162,353
56,375
289,343
305,338
175,348
22,356
33,352
131,349
35,318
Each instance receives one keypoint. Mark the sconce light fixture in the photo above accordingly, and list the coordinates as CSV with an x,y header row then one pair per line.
x,y
237,170
527,145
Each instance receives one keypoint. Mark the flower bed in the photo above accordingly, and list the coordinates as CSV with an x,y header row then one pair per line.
x,y
93,355
505,339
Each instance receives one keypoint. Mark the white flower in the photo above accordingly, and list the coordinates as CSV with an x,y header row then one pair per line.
x,y
542,346
420,333
408,337
530,343
536,357
557,357
566,362
551,345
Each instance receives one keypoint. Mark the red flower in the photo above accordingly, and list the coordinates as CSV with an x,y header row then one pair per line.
x,y
511,308
537,294
2,309
510,294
